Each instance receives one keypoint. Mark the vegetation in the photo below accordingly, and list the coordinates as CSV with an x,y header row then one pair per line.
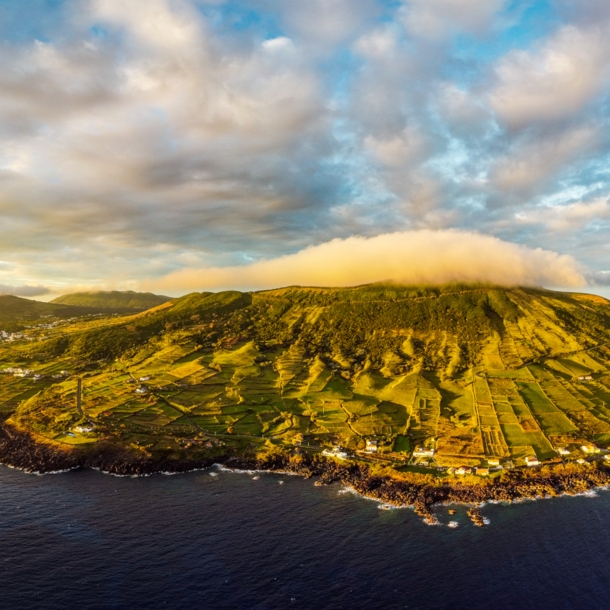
x,y
473,374
114,299
17,313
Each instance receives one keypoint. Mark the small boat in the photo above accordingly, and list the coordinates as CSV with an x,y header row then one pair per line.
x,y
385,507
256,478
213,474
453,524
281,482
452,511
318,483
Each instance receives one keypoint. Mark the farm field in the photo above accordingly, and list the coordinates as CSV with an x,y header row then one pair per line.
x,y
322,367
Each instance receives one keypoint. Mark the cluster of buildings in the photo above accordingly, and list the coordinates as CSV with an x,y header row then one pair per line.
x,y
29,373
9,337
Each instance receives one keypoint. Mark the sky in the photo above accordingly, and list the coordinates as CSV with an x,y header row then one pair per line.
x,y
180,145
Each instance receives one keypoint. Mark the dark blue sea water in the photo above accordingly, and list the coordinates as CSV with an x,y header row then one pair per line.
x,y
84,540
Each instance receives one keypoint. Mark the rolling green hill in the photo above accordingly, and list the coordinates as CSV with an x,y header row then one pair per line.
x,y
16,313
473,373
113,299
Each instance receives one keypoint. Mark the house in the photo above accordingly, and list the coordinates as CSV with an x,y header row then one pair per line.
x,y
493,462
142,390
532,460
371,446
482,472
84,429
423,452
463,470
585,378
589,449
335,452
563,451
145,378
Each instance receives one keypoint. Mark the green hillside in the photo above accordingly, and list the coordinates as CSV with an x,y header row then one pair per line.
x,y
473,373
113,299
17,313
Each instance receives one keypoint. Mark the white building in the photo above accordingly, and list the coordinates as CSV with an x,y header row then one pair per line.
x,y
84,429
589,449
423,452
371,446
531,460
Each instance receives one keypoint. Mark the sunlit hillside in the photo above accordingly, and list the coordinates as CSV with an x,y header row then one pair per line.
x,y
112,299
472,374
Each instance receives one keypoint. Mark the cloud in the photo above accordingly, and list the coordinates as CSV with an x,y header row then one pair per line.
x,y
567,218
412,257
145,137
325,22
434,19
532,162
553,81
24,291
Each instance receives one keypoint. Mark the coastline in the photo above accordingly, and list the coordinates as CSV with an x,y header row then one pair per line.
x,y
20,450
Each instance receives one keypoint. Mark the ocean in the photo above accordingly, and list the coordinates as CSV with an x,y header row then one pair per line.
x,y
84,540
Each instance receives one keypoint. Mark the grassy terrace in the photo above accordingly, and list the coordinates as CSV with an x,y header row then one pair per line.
x,y
486,375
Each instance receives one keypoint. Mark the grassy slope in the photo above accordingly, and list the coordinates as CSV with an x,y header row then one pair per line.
x,y
127,299
16,312
478,371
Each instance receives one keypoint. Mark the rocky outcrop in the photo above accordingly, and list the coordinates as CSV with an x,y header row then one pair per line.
x,y
20,449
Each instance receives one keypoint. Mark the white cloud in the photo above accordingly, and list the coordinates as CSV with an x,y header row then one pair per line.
x,y
411,257
326,22
533,162
398,150
567,218
434,19
555,80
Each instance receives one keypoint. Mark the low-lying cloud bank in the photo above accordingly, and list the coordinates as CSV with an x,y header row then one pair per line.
x,y
411,257
23,291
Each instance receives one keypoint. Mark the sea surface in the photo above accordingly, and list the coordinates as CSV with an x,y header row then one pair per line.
x,y
84,540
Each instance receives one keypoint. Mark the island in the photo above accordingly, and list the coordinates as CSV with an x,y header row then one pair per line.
x,y
411,395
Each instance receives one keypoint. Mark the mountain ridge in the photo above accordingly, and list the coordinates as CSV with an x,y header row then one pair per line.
x,y
113,299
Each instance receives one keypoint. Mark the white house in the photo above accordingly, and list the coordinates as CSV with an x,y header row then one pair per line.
x,y
423,452
589,449
371,446
532,460
84,429
142,390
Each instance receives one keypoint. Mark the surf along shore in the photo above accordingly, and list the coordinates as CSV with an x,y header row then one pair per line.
x,y
20,449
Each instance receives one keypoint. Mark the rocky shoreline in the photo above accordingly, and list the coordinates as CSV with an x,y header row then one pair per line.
x,y
19,449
